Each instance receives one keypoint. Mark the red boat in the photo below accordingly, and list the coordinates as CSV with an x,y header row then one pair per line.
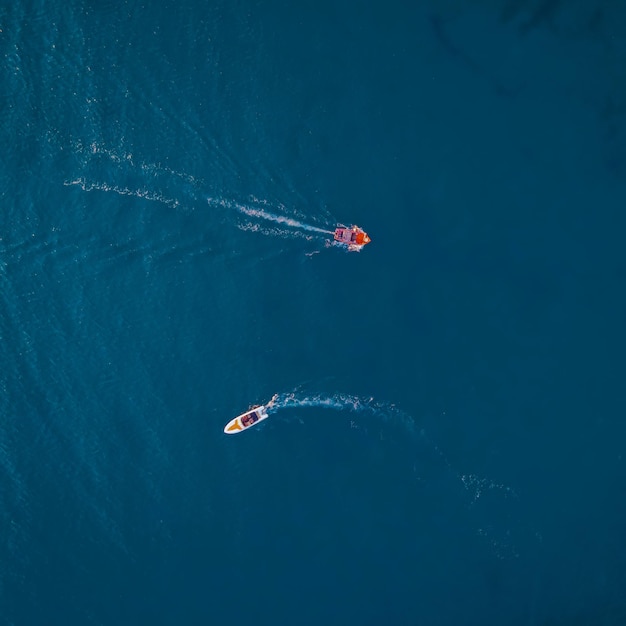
x,y
353,236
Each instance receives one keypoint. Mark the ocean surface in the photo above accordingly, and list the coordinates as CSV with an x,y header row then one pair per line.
x,y
447,440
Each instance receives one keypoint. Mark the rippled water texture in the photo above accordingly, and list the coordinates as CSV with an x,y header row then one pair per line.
x,y
445,442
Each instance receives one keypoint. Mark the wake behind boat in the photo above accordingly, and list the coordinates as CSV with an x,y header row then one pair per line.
x,y
353,236
244,421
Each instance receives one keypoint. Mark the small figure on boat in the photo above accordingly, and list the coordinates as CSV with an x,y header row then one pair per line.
x,y
248,420
353,236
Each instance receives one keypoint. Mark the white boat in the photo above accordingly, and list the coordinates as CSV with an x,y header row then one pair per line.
x,y
246,420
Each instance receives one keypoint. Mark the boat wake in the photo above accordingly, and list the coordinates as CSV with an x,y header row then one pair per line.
x,y
145,194
478,491
281,219
122,157
337,402
257,217
179,190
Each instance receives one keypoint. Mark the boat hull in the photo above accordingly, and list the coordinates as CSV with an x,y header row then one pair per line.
x,y
353,236
246,420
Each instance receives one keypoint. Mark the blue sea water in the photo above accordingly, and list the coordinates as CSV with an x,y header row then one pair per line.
x,y
447,441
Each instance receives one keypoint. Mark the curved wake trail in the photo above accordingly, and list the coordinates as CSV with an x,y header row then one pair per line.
x,y
338,402
385,411
472,484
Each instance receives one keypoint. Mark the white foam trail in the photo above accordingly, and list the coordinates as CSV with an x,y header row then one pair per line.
x,y
255,227
343,402
123,191
281,207
280,219
340,402
478,486
474,485
263,214
128,157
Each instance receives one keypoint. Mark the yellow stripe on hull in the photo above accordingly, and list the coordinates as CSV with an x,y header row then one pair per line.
x,y
234,426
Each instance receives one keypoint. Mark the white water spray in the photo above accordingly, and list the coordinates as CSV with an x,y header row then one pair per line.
x,y
145,194
341,402
473,485
263,214
281,219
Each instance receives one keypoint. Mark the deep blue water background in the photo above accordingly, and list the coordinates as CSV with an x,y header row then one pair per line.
x,y
483,147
